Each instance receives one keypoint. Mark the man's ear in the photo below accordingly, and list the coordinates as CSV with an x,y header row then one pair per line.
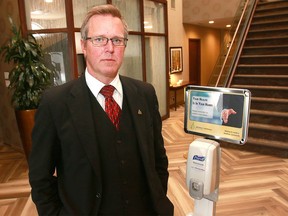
x,y
83,46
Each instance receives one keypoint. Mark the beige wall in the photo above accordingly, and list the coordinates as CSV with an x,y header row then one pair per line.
x,y
8,127
210,48
179,35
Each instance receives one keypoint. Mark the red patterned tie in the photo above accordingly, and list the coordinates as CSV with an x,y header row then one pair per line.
x,y
111,107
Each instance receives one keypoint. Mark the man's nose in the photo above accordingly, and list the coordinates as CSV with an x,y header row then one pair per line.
x,y
110,46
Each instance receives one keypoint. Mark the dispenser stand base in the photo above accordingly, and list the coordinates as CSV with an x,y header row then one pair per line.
x,y
203,207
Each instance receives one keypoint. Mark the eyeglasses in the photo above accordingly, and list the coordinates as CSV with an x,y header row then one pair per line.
x,y
102,41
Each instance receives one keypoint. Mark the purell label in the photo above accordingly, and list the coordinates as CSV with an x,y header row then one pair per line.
x,y
199,158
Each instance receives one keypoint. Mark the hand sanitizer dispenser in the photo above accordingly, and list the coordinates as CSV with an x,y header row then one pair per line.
x,y
202,175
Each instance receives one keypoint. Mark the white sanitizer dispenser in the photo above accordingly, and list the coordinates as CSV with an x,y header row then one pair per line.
x,y
203,174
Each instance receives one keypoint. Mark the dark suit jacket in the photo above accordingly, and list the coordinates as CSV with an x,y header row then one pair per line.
x,y
64,138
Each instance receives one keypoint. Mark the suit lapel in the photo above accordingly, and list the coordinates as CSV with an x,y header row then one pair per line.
x,y
81,114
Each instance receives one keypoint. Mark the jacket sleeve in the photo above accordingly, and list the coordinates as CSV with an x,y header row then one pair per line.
x,y
42,162
161,160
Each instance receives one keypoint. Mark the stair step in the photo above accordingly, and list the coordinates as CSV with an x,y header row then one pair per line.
x,y
260,79
261,76
271,14
263,65
261,58
269,26
269,113
270,5
275,18
266,29
263,69
269,103
265,47
264,142
261,22
265,56
269,127
267,32
282,88
276,37
269,100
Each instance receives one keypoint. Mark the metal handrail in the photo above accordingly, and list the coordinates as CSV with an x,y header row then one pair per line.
x,y
244,12
235,63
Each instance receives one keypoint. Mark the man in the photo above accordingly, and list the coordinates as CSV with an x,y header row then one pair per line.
x,y
83,164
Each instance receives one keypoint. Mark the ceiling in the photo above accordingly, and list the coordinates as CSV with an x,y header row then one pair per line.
x,y
197,12
200,12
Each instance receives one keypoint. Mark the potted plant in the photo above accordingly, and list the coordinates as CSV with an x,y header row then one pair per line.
x,y
28,79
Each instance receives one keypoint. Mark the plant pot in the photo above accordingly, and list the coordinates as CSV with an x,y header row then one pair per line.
x,y
25,121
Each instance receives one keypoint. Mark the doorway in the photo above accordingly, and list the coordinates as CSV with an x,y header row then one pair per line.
x,y
195,61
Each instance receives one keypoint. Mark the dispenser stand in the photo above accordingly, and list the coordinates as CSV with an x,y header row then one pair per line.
x,y
202,176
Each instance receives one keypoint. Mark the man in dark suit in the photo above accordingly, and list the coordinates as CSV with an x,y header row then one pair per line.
x,y
81,163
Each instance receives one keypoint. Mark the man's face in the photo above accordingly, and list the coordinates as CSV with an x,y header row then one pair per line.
x,y
103,62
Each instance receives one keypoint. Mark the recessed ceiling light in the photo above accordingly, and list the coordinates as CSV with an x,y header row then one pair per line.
x,y
211,22
48,1
228,26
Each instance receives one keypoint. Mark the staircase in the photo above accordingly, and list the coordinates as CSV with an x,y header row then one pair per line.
x,y
263,69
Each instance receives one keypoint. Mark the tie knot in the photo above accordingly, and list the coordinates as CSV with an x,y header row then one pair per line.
x,y
107,91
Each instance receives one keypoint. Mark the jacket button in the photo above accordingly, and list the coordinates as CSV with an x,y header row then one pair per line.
x,y
98,195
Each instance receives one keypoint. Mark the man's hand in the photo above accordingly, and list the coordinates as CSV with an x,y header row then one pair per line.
x,y
226,113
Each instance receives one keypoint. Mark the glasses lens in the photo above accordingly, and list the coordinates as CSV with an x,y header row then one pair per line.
x,y
99,41
102,41
118,41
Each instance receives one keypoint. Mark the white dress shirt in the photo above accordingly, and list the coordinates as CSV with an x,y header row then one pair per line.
x,y
95,86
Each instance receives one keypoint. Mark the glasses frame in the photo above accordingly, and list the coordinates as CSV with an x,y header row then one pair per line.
x,y
107,39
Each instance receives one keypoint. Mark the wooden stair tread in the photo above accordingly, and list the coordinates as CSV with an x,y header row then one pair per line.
x,y
260,22
263,65
268,127
268,38
268,29
269,113
260,87
276,13
264,56
263,142
270,100
261,76
266,46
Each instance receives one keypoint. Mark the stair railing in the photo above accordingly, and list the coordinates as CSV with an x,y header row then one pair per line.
x,y
234,64
242,24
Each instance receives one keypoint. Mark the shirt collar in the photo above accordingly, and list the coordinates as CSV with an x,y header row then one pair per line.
x,y
95,85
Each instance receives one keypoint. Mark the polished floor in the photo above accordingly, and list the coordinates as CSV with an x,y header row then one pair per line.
x,y
253,180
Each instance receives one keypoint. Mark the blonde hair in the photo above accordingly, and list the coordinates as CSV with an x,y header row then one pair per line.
x,y
107,9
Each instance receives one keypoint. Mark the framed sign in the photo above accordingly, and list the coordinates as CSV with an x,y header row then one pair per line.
x,y
217,113
176,61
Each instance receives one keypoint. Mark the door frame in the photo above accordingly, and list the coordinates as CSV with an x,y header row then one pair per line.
x,y
196,53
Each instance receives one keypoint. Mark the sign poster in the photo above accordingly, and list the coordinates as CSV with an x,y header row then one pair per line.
x,y
217,113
